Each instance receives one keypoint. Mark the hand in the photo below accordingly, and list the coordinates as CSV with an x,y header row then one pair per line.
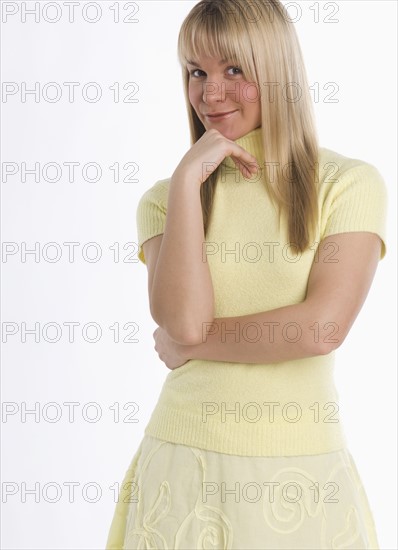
x,y
208,152
172,353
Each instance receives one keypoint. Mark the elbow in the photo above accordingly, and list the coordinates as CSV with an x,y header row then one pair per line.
x,y
323,348
330,341
185,333
181,324
190,339
190,334
327,324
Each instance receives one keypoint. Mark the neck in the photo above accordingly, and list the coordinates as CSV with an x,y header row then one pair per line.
x,y
252,142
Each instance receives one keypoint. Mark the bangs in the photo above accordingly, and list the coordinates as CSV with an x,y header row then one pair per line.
x,y
216,36
208,40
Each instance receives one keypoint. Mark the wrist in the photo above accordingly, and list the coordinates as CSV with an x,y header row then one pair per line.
x,y
184,178
187,351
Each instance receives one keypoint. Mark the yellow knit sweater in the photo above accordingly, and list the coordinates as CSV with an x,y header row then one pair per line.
x,y
274,409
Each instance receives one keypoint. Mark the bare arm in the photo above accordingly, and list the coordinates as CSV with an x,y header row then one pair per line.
x,y
180,287
316,326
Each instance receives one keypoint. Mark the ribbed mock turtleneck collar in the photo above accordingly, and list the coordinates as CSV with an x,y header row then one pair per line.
x,y
252,142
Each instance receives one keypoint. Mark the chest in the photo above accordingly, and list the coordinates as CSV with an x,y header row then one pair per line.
x,y
253,265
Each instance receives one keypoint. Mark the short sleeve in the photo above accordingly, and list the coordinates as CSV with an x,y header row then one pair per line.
x,y
357,201
151,215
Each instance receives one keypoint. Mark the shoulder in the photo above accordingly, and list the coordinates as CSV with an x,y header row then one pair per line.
x,y
159,190
157,193
352,196
338,172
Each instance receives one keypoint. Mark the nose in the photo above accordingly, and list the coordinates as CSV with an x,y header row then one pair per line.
x,y
214,90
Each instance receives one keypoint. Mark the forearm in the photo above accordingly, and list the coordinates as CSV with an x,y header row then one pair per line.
x,y
287,333
182,291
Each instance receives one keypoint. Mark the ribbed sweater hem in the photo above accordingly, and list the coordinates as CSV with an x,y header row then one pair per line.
x,y
253,439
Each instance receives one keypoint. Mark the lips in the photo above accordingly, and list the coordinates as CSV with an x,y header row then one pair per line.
x,y
215,115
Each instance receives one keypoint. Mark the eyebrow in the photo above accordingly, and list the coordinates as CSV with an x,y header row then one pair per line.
x,y
197,64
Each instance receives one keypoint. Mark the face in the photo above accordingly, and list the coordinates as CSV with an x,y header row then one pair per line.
x,y
217,86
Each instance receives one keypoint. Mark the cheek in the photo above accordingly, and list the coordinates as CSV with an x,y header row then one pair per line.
x,y
252,103
192,95
251,94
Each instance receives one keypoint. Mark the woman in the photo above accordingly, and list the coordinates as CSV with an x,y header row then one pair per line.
x,y
260,250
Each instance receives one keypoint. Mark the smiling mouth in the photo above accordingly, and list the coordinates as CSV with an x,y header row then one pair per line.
x,y
220,115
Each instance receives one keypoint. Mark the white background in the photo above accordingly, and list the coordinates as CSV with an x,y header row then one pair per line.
x,y
357,53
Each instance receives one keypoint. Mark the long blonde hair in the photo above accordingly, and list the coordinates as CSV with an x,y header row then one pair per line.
x,y
260,38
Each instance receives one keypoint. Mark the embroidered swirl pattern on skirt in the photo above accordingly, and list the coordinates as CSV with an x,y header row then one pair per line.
x,y
178,497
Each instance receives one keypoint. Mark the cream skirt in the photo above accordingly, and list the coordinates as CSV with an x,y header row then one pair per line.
x,y
178,497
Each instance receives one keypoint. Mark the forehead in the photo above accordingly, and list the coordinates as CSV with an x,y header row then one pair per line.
x,y
205,47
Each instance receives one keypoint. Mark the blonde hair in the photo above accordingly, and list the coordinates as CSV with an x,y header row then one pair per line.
x,y
260,38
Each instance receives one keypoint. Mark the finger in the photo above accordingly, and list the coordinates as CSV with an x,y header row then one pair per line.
x,y
249,161
245,156
248,170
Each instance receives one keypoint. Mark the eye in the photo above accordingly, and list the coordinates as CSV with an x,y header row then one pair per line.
x,y
237,68
194,71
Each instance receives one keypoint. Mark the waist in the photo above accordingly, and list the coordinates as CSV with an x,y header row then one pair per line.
x,y
279,409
